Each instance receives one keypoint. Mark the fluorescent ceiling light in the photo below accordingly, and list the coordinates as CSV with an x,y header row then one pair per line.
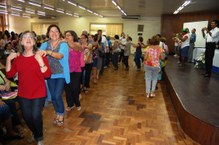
x,y
49,8
90,11
30,11
69,14
76,16
16,9
3,6
81,7
182,6
72,3
60,11
121,10
3,12
16,14
21,1
35,4
114,3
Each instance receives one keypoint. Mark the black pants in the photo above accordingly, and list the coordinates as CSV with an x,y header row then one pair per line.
x,y
209,55
88,68
115,60
121,56
126,61
72,90
32,113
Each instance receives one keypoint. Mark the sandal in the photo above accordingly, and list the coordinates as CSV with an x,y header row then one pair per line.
x,y
55,120
60,122
69,108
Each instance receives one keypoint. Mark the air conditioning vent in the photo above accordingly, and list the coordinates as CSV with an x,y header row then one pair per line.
x,y
47,17
133,17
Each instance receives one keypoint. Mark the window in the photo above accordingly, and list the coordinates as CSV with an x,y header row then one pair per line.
x,y
40,28
108,29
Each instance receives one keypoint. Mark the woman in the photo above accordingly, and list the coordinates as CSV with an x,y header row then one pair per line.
x,y
32,68
11,100
138,52
73,88
56,51
100,53
115,52
152,65
88,62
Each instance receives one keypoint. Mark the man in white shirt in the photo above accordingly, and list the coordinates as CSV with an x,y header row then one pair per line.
x,y
122,40
212,37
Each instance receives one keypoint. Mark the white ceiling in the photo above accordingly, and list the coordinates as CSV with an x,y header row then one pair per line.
x,y
143,8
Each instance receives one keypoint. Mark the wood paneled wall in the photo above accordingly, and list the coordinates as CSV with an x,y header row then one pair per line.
x,y
174,23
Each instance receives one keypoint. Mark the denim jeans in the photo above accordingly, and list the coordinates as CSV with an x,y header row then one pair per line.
x,y
151,77
137,60
48,98
56,88
32,113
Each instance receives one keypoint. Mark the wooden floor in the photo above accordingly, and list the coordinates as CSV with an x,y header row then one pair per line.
x,y
116,112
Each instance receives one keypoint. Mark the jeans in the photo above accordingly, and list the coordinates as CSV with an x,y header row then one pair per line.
x,y
48,98
137,60
151,77
56,87
73,90
32,113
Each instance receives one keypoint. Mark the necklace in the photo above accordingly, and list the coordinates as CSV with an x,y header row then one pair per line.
x,y
54,44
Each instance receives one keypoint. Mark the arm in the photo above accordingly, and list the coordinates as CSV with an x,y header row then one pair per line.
x,y
215,34
203,32
44,52
161,54
10,68
134,45
44,65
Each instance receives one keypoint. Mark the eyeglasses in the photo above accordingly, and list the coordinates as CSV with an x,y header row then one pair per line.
x,y
28,37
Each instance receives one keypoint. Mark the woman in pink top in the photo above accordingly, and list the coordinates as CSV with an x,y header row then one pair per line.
x,y
75,54
153,54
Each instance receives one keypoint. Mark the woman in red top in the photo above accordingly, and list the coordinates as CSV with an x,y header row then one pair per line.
x,y
32,69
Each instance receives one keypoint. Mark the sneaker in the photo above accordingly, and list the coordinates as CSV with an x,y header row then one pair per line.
x,y
79,108
40,143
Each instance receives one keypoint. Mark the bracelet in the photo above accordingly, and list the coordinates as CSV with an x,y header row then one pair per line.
x,y
51,53
42,66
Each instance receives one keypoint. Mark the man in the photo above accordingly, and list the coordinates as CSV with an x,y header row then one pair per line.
x,y
122,40
191,45
212,37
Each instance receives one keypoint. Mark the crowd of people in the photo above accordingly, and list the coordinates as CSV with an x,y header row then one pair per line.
x,y
66,63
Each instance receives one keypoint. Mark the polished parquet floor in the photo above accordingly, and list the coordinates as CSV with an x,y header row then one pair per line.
x,y
116,112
